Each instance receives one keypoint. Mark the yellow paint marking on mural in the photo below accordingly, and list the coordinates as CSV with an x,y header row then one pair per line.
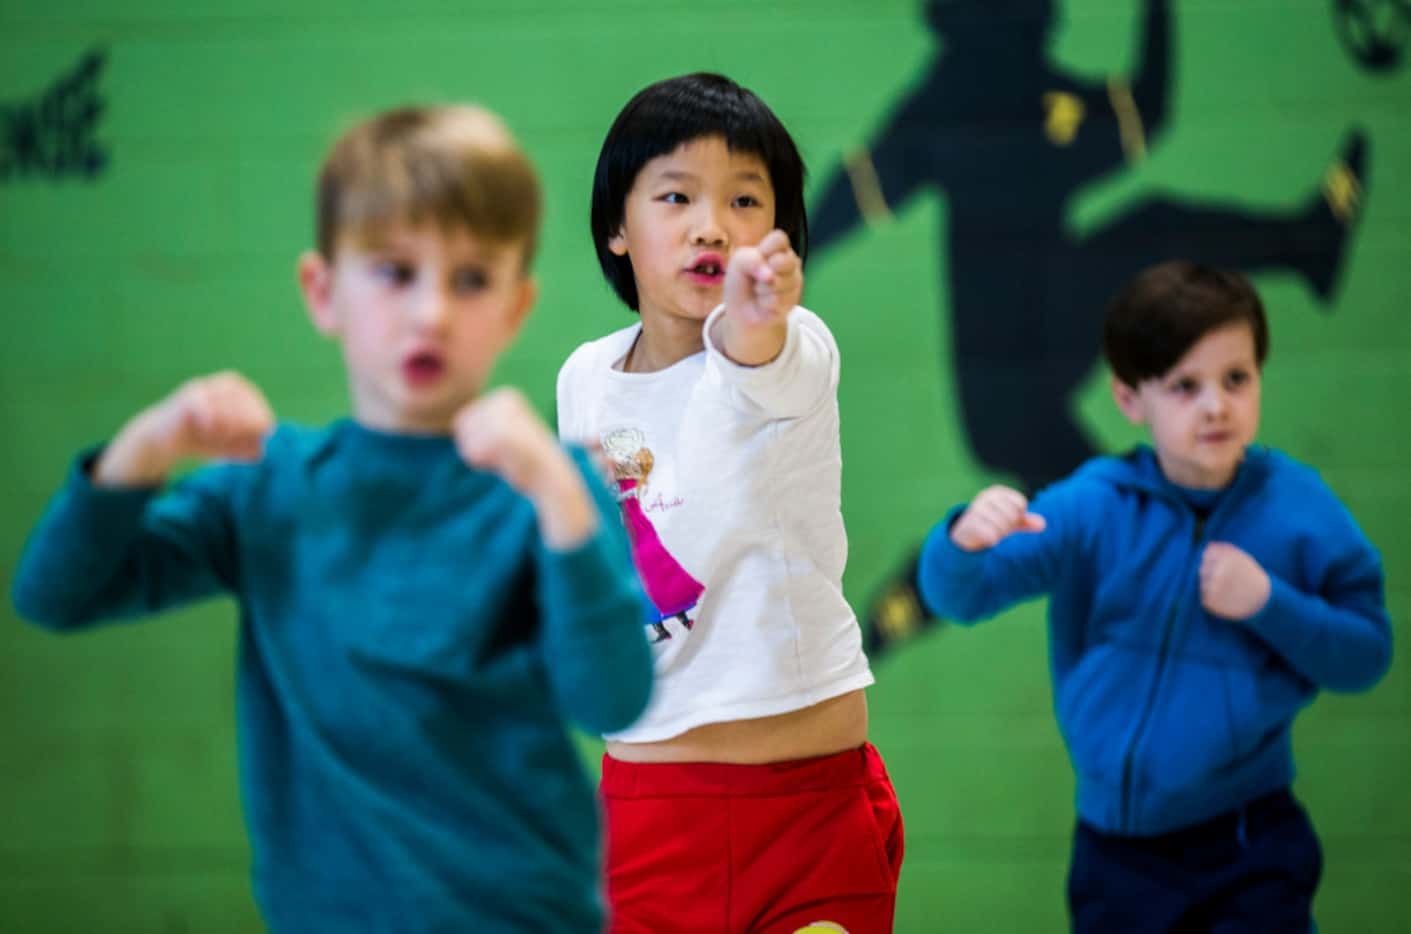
x,y
899,614
1063,113
1129,119
1343,191
867,187
822,927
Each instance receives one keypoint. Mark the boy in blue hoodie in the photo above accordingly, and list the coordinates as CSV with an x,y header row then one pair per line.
x,y
1200,594
429,591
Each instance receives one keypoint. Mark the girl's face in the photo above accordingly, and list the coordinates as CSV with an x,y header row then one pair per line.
x,y
686,212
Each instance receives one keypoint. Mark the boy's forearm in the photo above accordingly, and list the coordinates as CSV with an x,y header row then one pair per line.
x,y
103,553
135,457
596,649
970,586
567,516
595,641
74,551
1338,647
950,580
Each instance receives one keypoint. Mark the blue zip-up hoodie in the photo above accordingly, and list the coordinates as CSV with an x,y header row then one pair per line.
x,y
1172,715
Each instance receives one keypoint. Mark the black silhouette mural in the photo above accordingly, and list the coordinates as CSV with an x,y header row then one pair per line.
x,y
1374,32
52,135
1010,139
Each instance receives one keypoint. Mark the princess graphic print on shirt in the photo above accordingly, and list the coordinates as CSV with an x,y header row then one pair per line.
x,y
670,587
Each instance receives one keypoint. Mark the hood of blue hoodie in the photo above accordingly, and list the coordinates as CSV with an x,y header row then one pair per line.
x,y
1139,470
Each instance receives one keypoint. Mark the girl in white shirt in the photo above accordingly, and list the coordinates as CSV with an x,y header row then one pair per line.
x,y
746,798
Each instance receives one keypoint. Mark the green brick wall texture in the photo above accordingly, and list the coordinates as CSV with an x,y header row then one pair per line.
x,y
118,801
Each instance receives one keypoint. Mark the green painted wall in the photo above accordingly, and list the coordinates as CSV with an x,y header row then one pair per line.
x,y
118,803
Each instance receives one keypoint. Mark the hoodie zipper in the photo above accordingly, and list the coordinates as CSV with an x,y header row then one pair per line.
x,y
1125,806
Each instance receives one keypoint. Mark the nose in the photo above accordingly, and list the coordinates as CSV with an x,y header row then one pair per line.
x,y
1214,403
429,308
707,229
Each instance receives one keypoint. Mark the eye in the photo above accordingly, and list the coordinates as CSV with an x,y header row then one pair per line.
x,y
1184,386
1236,378
748,201
674,197
394,272
469,279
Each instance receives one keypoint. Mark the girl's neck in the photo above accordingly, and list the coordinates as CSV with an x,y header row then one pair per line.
x,y
660,344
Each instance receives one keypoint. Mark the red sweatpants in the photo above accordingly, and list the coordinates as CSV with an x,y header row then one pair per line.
x,y
810,846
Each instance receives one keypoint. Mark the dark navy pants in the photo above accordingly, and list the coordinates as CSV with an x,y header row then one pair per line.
x,y
1250,870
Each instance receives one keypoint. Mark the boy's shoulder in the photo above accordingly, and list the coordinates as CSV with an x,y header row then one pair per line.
x,y
296,441
1272,475
1091,496
1105,475
1289,481
1138,468
1283,468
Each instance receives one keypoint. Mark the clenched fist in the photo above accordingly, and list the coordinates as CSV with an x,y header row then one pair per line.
x,y
1233,585
218,417
500,432
994,515
763,282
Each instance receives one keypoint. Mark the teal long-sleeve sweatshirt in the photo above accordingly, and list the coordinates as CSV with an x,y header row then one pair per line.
x,y
410,654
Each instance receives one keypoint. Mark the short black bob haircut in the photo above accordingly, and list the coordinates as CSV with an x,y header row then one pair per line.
x,y
663,116
1166,309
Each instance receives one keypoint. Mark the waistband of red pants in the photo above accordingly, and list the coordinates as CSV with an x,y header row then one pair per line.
x,y
851,767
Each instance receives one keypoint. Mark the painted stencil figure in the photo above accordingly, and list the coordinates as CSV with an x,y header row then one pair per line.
x,y
670,587
1011,139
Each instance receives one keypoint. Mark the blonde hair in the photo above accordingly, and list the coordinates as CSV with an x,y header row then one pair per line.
x,y
456,166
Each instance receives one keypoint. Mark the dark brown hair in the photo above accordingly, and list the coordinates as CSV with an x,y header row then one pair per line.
x,y
1165,309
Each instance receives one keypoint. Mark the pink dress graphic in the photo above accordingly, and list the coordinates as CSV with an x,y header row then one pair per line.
x,y
670,587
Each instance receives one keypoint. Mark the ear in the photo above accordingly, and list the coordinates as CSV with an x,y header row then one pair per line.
x,y
316,283
617,243
1129,402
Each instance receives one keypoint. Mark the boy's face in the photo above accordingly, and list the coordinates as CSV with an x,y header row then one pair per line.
x,y
686,212
1204,411
421,316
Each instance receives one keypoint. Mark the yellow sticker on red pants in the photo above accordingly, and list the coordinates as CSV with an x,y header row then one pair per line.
x,y
822,927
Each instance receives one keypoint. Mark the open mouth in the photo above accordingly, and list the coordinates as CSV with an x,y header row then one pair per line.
x,y
708,269
423,367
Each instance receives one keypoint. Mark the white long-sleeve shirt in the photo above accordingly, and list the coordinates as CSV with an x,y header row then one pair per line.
x,y
743,491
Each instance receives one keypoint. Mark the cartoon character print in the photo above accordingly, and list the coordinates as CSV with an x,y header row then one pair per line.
x,y
670,587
